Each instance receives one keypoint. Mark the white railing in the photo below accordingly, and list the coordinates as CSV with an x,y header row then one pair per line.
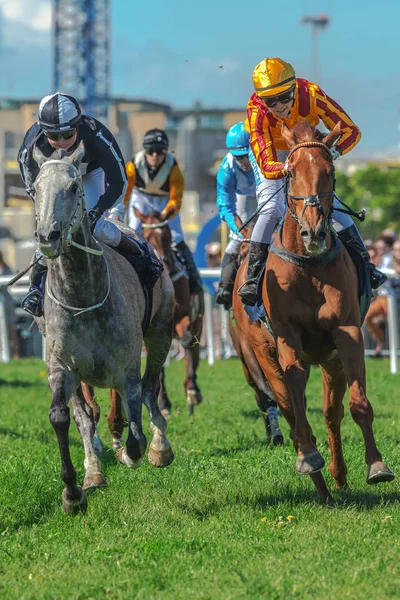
x,y
18,291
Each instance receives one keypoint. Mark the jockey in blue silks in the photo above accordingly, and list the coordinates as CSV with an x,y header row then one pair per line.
x,y
235,185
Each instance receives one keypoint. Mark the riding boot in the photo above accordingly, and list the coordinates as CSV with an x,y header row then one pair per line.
x,y
142,257
351,238
258,254
195,283
227,281
33,301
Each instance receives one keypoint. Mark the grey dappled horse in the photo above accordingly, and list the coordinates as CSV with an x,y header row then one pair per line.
x,y
94,306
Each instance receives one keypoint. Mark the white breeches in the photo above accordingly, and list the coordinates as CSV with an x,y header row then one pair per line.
x,y
147,203
94,185
273,211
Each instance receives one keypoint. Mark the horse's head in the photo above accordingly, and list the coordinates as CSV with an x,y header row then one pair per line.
x,y
246,233
156,231
311,182
58,197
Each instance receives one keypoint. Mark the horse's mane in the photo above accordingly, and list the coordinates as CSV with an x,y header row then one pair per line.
x,y
59,154
304,132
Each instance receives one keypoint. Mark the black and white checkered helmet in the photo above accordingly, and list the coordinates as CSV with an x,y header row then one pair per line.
x,y
59,112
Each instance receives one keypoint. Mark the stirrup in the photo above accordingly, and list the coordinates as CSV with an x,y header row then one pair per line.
x,y
247,294
33,303
377,278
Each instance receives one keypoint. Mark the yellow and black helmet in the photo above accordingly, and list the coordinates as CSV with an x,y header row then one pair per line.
x,y
273,76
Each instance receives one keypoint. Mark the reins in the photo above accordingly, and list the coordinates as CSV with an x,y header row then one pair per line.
x,y
67,238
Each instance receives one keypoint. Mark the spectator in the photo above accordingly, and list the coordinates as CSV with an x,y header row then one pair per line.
x,y
383,250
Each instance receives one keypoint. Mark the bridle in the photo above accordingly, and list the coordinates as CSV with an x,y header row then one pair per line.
x,y
67,239
312,200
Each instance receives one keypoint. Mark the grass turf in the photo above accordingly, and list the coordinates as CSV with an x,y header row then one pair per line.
x,y
229,519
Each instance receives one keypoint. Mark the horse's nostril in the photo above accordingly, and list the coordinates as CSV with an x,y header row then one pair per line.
x,y
304,233
322,235
54,236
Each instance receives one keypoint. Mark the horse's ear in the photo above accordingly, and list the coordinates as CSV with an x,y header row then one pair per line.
x,y
288,135
38,156
76,157
333,135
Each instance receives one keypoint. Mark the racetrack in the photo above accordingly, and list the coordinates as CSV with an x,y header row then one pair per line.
x,y
229,518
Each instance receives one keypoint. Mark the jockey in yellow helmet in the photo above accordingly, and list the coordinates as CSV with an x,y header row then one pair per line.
x,y
279,97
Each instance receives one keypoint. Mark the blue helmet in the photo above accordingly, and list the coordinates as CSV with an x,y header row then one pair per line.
x,y
238,140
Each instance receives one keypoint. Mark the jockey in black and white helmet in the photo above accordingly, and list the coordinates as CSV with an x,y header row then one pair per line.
x,y
62,126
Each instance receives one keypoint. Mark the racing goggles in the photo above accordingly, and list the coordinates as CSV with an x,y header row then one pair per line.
x,y
155,150
64,135
274,100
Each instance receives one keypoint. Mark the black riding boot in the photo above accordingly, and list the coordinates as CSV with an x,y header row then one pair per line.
x,y
227,281
33,301
142,257
351,238
257,257
195,283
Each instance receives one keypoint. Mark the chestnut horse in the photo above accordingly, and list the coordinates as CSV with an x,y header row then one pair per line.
x,y
310,293
252,370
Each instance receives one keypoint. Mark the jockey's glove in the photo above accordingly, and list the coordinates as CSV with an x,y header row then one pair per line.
x,y
94,215
335,153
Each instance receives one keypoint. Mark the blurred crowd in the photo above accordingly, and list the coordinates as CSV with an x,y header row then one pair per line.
x,y
385,254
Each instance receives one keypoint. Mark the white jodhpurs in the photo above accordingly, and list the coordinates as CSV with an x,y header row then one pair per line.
x,y
148,203
272,191
94,185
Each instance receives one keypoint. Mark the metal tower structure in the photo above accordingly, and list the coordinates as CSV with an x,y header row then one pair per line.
x,y
82,52
318,24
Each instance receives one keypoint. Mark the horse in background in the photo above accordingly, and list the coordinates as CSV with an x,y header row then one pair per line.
x,y
239,332
188,312
94,306
310,294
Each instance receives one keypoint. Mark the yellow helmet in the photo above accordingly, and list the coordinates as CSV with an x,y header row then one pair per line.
x,y
273,76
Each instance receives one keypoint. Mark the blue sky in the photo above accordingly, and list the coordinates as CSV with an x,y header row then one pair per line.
x,y
172,51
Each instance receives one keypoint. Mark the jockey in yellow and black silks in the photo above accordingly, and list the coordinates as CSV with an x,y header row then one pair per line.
x,y
155,184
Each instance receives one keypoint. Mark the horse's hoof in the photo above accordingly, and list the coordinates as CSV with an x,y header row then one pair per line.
x,y
73,507
309,463
194,397
117,444
94,481
378,472
278,440
123,458
160,458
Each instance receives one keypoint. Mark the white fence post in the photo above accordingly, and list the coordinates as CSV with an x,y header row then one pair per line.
x,y
208,313
393,329
5,354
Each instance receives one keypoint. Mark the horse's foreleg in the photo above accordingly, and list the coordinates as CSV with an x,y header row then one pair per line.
x,y
192,392
334,384
350,345
257,380
83,418
131,394
309,460
62,383
115,419
88,394
164,403
158,341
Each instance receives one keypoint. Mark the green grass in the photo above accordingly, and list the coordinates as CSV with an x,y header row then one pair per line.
x,y
211,526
